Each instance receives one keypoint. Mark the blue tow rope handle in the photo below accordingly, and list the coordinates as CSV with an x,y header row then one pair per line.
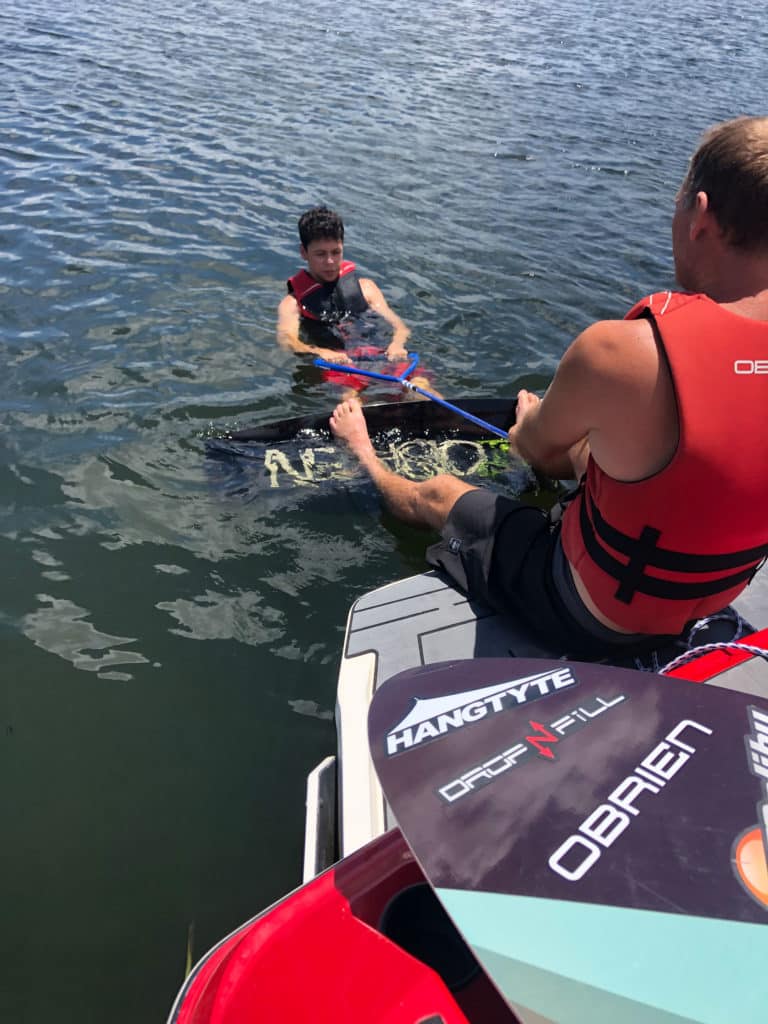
x,y
346,368
402,380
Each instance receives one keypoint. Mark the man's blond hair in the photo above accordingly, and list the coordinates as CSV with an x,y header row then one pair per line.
x,y
731,166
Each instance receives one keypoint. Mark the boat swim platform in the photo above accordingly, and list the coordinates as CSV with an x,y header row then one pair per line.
x,y
422,620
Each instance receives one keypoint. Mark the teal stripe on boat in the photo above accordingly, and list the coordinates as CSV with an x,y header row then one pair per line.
x,y
575,962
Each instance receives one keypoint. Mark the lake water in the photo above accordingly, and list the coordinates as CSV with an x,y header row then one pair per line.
x,y
170,645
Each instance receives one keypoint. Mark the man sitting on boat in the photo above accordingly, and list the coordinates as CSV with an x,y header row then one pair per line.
x,y
662,417
324,312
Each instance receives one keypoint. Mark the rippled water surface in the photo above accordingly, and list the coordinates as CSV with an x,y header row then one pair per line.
x,y
170,642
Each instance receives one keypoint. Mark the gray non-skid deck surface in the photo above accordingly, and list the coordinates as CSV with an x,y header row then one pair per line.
x,y
422,620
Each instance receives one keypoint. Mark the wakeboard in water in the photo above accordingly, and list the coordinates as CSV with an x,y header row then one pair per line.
x,y
411,419
416,439
598,835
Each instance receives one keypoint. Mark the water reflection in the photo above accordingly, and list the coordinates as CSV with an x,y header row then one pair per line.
x,y
216,616
61,627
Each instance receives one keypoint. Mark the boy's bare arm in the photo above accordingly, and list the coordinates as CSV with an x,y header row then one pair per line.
x,y
288,334
400,333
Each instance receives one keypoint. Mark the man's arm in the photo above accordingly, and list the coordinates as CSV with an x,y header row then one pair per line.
x,y
288,334
400,333
525,437
608,397
570,464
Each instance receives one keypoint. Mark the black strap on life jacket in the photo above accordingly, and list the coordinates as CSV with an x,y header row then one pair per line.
x,y
643,551
332,303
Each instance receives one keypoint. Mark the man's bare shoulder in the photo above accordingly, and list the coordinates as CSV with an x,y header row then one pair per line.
x,y
622,378
605,337
615,349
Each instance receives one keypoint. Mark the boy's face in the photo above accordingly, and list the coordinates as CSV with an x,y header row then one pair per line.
x,y
323,256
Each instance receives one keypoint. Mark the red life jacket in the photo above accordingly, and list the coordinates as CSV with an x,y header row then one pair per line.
x,y
329,303
657,553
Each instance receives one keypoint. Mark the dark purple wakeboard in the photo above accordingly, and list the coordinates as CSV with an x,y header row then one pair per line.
x,y
416,439
597,834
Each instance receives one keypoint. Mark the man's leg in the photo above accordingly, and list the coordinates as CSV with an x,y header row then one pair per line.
x,y
423,503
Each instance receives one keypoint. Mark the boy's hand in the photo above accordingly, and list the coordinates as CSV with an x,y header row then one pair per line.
x,y
395,351
331,355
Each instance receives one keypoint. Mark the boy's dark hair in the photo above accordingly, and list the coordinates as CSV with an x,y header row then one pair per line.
x,y
320,222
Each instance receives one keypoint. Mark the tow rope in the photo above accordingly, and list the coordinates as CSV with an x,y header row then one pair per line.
x,y
407,385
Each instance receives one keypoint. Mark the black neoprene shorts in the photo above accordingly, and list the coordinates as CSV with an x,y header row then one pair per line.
x,y
500,551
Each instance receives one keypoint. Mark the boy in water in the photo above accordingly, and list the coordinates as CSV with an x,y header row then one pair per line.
x,y
324,312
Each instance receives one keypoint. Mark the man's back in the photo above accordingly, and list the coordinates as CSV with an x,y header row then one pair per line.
x,y
672,534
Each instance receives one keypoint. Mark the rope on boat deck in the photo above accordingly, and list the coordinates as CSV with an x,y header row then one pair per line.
x,y
692,651
726,645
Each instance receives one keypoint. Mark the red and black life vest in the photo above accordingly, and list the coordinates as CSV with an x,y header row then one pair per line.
x,y
657,553
329,303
